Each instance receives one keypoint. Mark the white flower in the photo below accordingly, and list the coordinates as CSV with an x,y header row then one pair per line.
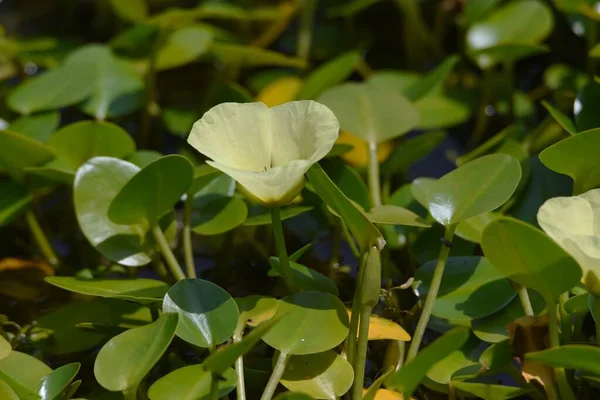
x,y
267,151
574,223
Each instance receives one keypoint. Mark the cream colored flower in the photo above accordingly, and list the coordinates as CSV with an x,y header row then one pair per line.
x,y
574,223
267,151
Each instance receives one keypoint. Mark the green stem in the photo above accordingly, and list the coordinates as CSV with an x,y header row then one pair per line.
x,y
188,250
564,389
349,239
150,105
214,387
434,287
41,239
307,17
361,352
239,369
159,267
355,317
565,319
288,276
597,317
483,119
373,171
275,376
524,298
168,255
130,394
509,67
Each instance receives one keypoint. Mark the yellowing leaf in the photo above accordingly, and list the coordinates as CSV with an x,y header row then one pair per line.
x,y
358,155
384,329
12,264
280,91
385,394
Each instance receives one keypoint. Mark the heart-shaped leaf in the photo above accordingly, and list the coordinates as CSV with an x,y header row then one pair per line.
x,y
96,184
138,289
473,189
372,113
54,385
527,256
320,375
408,378
125,360
152,192
471,288
576,157
191,383
208,314
327,75
312,323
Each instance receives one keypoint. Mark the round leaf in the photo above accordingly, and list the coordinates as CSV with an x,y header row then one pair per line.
x,y
473,189
527,256
370,112
219,215
96,184
208,314
139,289
191,383
152,192
471,288
256,309
322,375
384,329
313,322
125,360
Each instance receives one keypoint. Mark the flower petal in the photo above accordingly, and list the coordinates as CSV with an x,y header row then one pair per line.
x,y
237,135
302,130
276,186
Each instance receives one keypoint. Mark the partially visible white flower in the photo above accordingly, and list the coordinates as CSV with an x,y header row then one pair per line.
x,y
267,151
574,223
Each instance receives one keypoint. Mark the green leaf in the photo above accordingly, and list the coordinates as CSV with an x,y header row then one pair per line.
x,y
264,217
586,117
219,361
125,360
527,256
97,183
305,278
464,359
208,314
565,77
473,189
563,120
249,56
411,151
395,215
490,392
219,215
408,378
191,383
323,375
350,8
526,22
18,152
349,181
118,87
438,111
476,10
492,329
37,126
141,158
293,396
130,10
54,385
435,78
8,394
507,53
5,347
576,157
363,230
571,356
14,200
184,46
22,373
152,192
255,309
370,112
471,229
63,335
471,288
313,322
327,75
138,289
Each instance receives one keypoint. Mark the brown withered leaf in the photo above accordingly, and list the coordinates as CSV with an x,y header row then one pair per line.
x,y
23,279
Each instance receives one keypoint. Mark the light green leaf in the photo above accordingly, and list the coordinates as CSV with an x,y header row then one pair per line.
x,y
264,217
327,75
54,385
130,10
22,373
395,215
37,126
219,215
184,46
18,152
571,356
563,120
248,56
138,289
191,383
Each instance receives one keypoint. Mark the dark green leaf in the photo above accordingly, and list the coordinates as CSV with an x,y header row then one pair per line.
x,y
14,199
220,215
54,385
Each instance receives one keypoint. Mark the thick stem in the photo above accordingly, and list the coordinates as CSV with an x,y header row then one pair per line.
x,y
168,255
361,352
524,298
239,369
434,287
566,326
188,250
597,319
307,17
214,387
373,170
275,377
41,240
130,394
286,270
566,393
